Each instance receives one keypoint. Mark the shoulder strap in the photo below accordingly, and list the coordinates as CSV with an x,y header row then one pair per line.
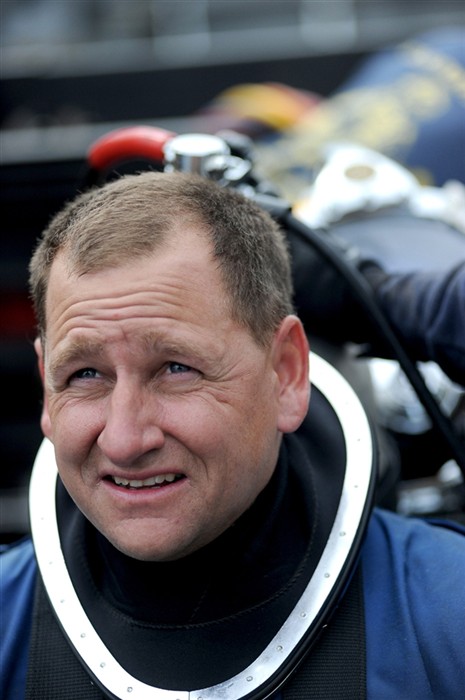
x,y
335,668
54,672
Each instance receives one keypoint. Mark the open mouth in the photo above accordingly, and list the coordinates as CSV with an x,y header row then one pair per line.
x,y
153,482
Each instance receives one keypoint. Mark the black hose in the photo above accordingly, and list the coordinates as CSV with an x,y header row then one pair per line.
x,y
363,293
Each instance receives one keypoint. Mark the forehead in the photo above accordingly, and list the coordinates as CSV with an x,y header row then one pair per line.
x,y
179,280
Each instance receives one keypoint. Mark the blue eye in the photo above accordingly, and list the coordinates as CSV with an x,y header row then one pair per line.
x,y
178,368
85,373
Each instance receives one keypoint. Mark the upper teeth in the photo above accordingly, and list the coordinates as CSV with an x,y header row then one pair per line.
x,y
139,483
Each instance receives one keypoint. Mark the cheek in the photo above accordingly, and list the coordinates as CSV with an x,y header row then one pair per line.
x,y
231,436
73,427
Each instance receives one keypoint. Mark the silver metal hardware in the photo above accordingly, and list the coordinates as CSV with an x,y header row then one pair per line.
x,y
191,153
356,179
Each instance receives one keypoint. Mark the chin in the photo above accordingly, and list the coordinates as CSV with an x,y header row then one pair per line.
x,y
147,552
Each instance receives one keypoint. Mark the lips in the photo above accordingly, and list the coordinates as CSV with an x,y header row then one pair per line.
x,y
152,482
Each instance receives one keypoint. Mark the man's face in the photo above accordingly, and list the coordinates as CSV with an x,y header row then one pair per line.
x,y
165,414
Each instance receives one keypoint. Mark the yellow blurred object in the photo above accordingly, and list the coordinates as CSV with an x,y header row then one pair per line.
x,y
276,105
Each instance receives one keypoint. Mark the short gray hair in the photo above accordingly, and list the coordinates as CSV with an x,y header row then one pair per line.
x,y
134,215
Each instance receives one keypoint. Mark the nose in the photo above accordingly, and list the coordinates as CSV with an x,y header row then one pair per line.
x,y
132,425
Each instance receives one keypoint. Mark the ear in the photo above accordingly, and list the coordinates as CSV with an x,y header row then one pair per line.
x,y
45,423
290,362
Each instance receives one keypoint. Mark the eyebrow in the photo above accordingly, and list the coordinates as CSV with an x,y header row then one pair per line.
x,y
158,343
77,350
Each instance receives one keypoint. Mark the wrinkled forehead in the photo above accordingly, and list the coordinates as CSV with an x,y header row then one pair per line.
x,y
181,271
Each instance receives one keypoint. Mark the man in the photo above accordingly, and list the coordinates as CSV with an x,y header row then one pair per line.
x,y
204,535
